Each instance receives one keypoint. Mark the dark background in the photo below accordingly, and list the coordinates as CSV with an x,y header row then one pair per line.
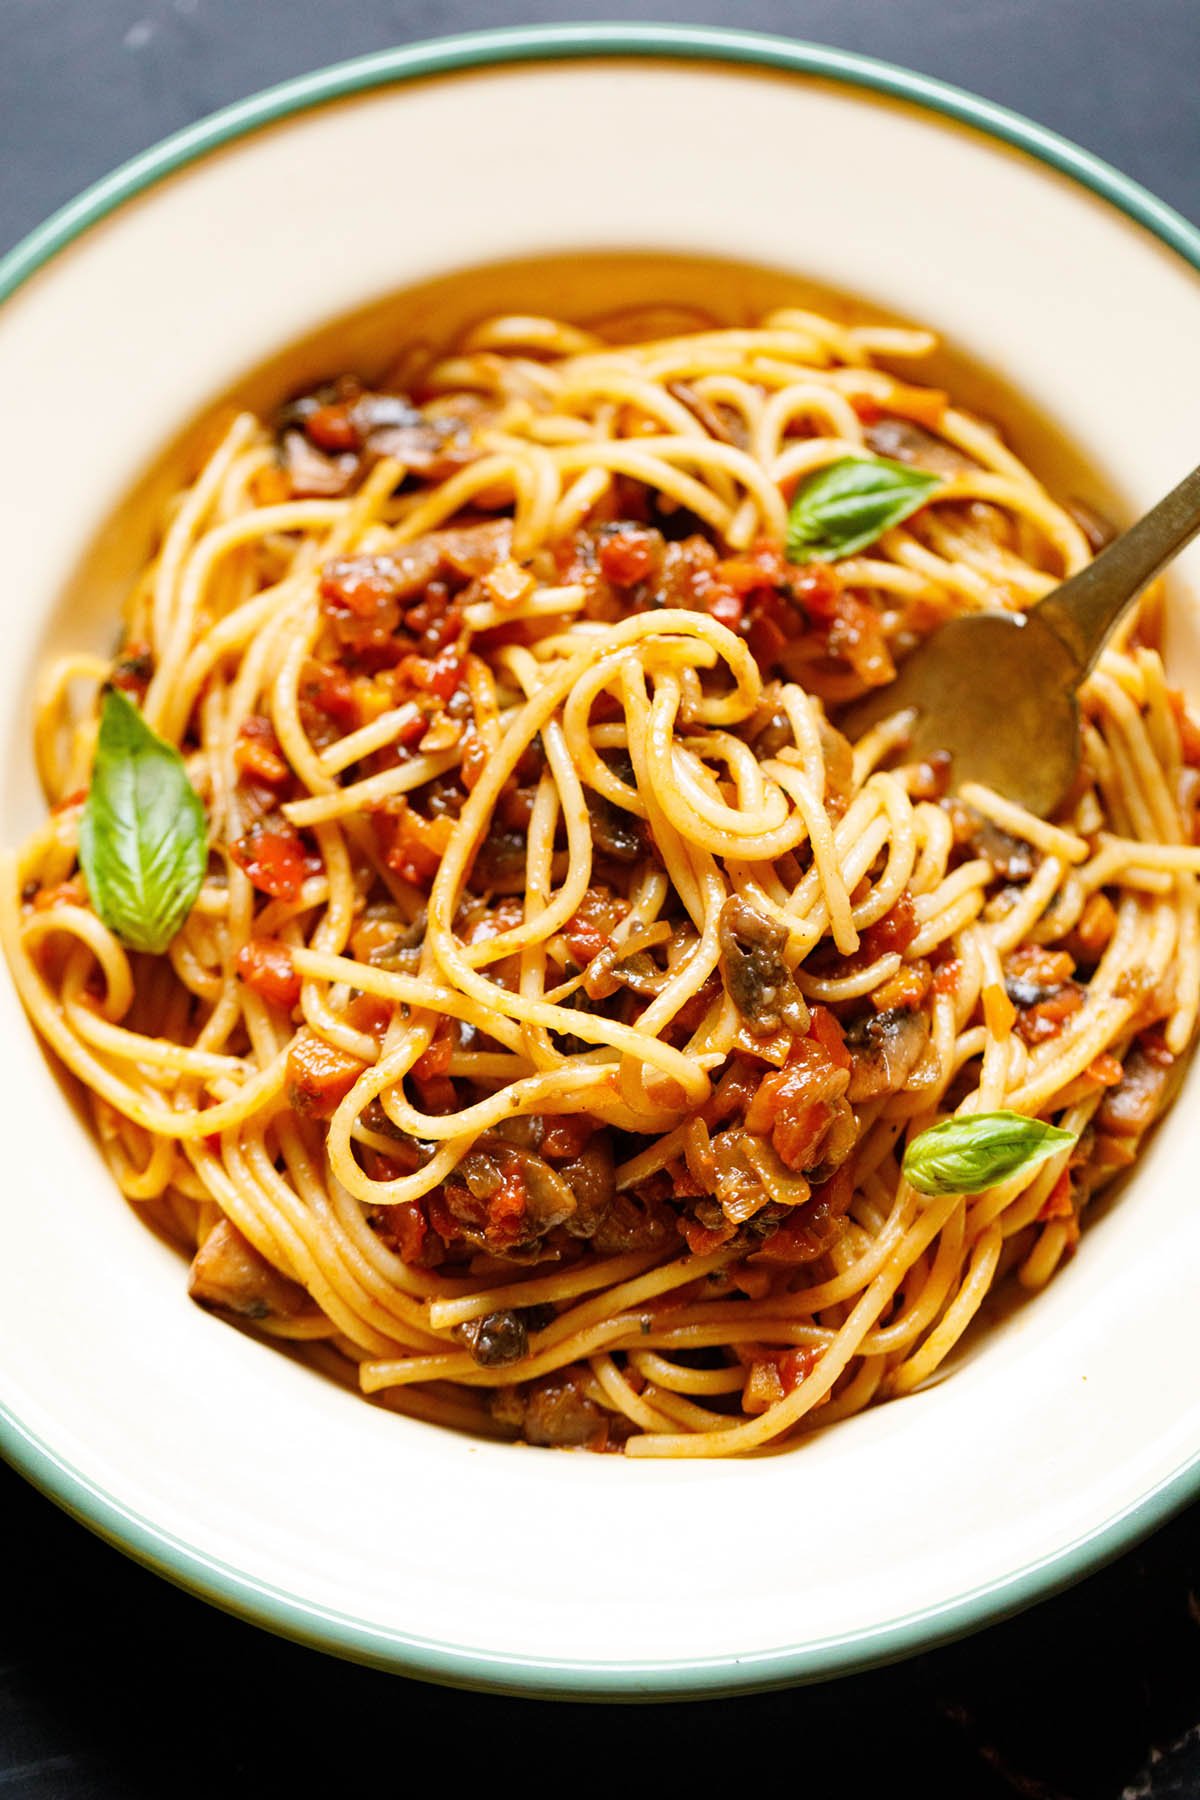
x,y
114,1686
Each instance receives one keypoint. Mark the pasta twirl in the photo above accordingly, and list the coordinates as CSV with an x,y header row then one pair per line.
x,y
562,989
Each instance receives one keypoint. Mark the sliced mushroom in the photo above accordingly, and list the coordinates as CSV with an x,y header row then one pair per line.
x,y
591,1177
770,729
751,1175
838,1142
390,425
613,831
886,1049
313,473
724,423
402,953
905,441
634,1221
1131,1108
551,1198
756,978
474,550
500,858
229,1275
553,1411
1011,857
611,969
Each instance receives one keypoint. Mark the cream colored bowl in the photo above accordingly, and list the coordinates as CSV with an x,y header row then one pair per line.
x,y
1062,1432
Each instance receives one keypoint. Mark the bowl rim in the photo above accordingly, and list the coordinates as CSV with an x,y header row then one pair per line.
x,y
285,1613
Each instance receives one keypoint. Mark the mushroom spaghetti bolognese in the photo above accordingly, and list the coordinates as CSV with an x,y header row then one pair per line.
x,y
484,954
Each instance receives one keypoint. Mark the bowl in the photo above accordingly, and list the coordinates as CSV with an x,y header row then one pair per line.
x,y
302,231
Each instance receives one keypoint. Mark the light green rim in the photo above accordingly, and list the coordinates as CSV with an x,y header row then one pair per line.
x,y
344,1635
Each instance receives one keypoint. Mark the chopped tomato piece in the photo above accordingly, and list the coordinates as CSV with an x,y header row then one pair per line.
x,y
435,620
412,844
906,989
436,1059
1096,925
566,1135
630,554
946,976
1105,1070
1189,730
733,1093
507,1208
371,1014
1033,962
266,966
793,1104
258,753
63,893
765,632
762,566
1058,1203
440,674
272,853
684,1185
508,584
591,927
727,609
1154,1048
797,1135
754,1283
763,1388
700,1240
930,778
329,688
894,932
796,1365
333,428
774,1374
828,1033
362,585
319,1075
437,1094
406,1226
818,588
1037,1024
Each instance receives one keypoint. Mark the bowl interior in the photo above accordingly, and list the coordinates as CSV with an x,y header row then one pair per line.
x,y
238,1468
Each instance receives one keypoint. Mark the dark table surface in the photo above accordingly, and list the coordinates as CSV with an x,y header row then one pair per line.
x,y
115,1686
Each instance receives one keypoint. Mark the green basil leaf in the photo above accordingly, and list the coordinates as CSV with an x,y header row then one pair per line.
x,y
974,1151
143,837
848,504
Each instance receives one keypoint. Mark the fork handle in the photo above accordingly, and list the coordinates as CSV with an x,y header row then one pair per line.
x,y
1086,609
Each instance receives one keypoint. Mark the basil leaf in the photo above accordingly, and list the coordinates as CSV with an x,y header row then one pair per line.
x,y
143,837
974,1151
848,504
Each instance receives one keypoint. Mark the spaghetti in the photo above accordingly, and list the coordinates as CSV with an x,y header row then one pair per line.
x,y
542,1041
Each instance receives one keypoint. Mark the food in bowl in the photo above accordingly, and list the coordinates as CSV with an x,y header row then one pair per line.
x,y
484,954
